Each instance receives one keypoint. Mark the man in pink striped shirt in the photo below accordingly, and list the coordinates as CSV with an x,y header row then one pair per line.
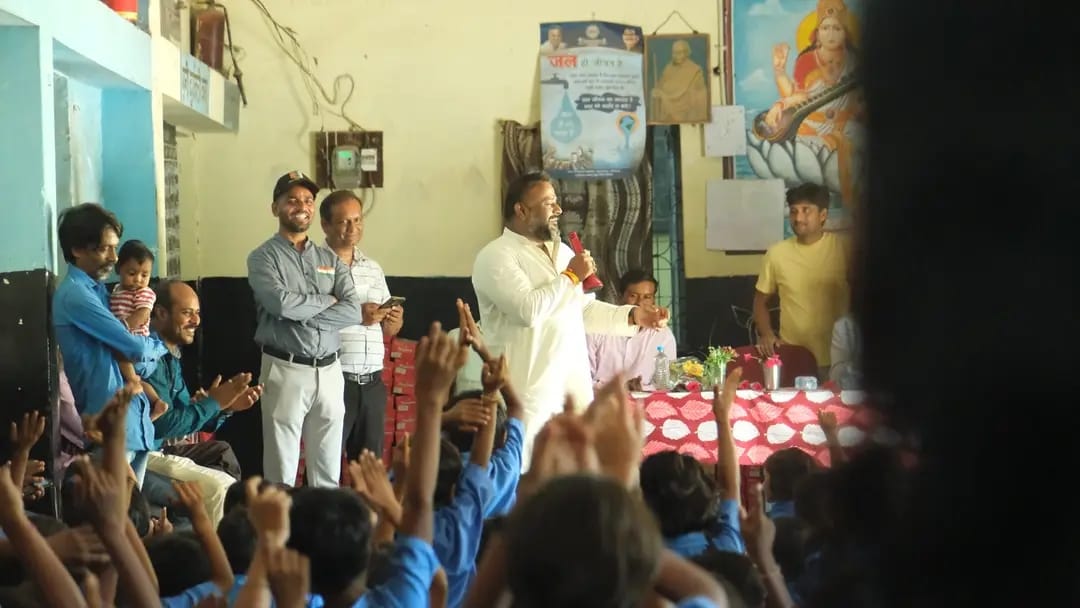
x,y
609,355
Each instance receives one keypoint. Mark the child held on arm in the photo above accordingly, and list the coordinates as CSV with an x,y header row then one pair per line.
x,y
131,301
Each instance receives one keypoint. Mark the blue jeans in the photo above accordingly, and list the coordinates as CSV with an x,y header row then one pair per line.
x,y
137,460
159,492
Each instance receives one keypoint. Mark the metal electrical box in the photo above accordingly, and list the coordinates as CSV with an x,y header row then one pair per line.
x,y
348,159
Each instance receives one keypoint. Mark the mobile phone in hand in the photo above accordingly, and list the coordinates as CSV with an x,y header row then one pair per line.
x,y
392,302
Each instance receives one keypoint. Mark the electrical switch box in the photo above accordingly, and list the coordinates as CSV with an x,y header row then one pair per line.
x,y
348,159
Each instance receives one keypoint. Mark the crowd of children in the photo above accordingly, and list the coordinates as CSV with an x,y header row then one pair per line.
x,y
452,523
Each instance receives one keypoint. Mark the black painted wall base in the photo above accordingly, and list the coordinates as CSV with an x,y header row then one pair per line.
x,y
28,365
718,310
224,344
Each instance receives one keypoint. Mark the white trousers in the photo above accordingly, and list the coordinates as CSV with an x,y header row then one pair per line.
x,y
302,401
213,483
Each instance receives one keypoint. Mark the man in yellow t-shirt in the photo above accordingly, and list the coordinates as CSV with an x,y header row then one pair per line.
x,y
809,272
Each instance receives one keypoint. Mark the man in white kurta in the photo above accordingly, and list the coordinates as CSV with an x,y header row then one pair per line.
x,y
528,286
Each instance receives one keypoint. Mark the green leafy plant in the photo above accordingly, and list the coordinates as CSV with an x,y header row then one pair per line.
x,y
716,363
721,355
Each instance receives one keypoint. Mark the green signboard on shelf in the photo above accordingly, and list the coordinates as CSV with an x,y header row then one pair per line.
x,y
195,84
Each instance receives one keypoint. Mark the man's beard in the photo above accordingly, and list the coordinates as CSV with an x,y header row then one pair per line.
x,y
183,338
547,232
294,227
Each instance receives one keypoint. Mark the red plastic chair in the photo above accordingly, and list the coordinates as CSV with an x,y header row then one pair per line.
x,y
796,361
751,368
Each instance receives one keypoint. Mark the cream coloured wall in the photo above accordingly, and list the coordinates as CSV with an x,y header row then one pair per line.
x,y
435,80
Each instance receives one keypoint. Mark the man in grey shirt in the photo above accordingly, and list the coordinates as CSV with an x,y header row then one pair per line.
x,y
303,296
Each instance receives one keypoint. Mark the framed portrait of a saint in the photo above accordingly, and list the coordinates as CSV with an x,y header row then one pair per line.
x,y
677,79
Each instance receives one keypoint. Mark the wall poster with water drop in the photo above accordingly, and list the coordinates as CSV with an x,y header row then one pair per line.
x,y
592,110
794,72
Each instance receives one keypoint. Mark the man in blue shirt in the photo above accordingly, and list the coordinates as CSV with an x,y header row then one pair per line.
x,y
89,335
175,319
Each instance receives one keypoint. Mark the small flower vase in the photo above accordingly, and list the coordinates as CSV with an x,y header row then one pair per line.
x,y
716,376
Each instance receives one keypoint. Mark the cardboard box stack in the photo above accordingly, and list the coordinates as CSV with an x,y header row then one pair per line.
x,y
399,375
403,357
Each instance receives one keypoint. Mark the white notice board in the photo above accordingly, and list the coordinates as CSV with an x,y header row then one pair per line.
x,y
744,214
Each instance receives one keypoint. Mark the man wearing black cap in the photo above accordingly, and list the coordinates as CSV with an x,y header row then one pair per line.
x,y
303,296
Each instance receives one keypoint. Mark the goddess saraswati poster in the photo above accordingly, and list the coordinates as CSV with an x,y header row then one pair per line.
x,y
794,71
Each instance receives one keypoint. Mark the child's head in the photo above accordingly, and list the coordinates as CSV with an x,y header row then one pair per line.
x,y
134,263
679,491
462,438
74,514
238,538
783,470
450,467
179,561
236,494
737,574
581,541
332,527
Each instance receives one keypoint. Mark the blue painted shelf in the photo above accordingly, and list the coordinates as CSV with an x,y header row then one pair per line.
x,y
83,98
90,42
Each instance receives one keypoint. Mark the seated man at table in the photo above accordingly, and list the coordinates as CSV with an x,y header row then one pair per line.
x,y
634,356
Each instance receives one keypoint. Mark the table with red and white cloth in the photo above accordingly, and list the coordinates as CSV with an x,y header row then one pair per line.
x,y
762,422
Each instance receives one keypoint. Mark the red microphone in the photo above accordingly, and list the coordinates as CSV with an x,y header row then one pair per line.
x,y
592,282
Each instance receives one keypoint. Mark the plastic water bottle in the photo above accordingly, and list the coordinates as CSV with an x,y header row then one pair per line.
x,y
662,371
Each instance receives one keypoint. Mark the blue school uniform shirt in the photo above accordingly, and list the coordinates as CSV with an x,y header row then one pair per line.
x,y
414,564
504,470
458,527
88,333
191,597
723,534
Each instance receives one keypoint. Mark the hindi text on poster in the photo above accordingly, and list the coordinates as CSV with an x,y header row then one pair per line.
x,y
592,99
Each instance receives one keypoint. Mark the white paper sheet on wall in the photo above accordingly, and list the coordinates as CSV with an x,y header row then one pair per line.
x,y
726,134
743,214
